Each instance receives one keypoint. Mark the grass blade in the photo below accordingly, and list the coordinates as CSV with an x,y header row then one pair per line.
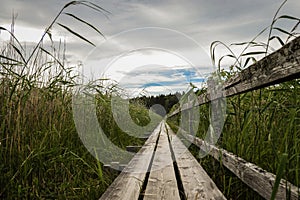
x,y
278,39
279,174
247,61
99,8
12,35
253,53
292,30
288,17
295,27
85,22
19,52
47,52
10,59
283,31
76,34
95,7
272,24
70,4
243,43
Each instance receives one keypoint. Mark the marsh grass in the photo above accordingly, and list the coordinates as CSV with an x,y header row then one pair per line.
x,y
41,154
263,128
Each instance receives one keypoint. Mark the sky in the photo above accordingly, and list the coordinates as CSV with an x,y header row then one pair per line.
x,y
151,46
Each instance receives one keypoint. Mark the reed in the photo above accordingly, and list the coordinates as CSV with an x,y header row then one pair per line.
x,y
41,154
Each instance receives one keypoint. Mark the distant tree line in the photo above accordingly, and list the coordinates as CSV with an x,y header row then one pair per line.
x,y
166,101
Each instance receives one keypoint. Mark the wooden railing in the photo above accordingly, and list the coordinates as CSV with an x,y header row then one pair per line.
x,y
280,66
164,168
255,177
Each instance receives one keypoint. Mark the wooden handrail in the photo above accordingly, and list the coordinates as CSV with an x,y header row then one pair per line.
x,y
282,65
255,177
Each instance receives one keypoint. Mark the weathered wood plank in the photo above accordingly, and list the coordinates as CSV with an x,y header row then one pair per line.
x,y
196,182
282,65
255,177
128,184
162,182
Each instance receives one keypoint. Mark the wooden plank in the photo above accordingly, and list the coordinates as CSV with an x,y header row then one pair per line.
x,y
255,177
128,184
196,182
282,65
162,182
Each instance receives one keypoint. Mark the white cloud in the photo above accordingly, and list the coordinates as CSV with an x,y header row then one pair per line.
x,y
202,20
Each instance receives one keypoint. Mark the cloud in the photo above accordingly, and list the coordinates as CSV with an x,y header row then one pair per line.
x,y
190,17
160,79
202,20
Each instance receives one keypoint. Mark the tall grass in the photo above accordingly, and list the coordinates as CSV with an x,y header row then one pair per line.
x,y
41,154
261,126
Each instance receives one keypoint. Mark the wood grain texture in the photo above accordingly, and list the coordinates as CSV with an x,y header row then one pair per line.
x,y
196,182
255,177
282,65
128,184
162,182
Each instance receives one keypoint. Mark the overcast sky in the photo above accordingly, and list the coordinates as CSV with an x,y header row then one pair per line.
x,y
161,59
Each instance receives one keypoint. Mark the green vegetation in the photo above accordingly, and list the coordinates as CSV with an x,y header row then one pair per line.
x,y
41,154
262,126
167,101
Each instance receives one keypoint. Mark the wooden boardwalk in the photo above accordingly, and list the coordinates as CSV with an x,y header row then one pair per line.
x,y
170,172
164,168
